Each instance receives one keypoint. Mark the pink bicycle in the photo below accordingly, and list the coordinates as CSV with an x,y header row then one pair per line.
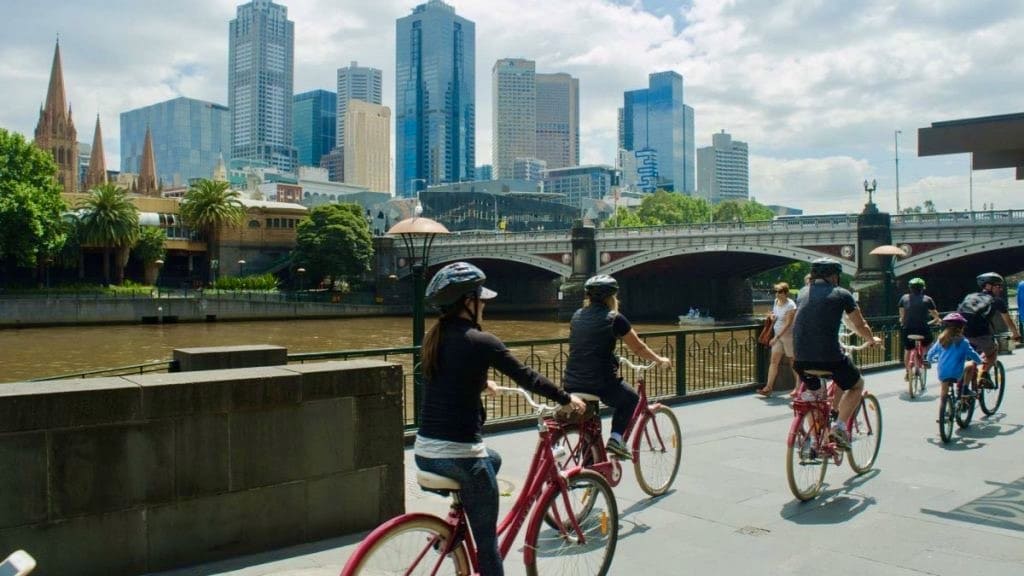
x,y
571,516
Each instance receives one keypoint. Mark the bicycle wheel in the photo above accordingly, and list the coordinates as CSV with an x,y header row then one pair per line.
x,y
947,415
410,544
659,449
912,380
990,399
579,450
564,549
964,411
917,382
865,434
805,468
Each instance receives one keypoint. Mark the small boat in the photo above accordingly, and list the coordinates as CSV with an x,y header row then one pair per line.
x,y
694,318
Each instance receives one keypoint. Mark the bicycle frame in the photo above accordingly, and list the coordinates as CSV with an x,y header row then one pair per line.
x,y
821,410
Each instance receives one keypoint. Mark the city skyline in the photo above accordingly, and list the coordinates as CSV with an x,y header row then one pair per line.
x,y
818,92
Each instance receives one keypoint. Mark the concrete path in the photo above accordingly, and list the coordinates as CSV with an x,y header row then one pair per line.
x,y
926,508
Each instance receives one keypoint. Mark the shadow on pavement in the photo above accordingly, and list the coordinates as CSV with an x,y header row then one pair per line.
x,y
957,444
1001,508
267,557
833,505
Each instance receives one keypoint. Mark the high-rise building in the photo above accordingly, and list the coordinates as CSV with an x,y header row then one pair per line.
x,y
314,121
531,169
55,131
723,170
578,182
558,120
356,83
261,56
368,146
485,172
656,119
514,116
435,95
188,138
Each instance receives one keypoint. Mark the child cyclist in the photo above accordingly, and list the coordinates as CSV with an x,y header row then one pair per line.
x,y
953,353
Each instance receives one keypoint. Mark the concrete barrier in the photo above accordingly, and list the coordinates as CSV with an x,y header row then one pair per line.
x,y
137,474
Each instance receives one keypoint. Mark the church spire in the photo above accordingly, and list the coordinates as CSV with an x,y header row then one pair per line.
x,y
56,102
97,173
147,168
55,131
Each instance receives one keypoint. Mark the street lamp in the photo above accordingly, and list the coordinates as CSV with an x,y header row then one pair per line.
x,y
896,136
241,268
302,274
159,266
870,189
417,235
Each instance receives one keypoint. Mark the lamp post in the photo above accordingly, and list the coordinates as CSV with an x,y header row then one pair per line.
x,y
896,136
241,268
159,266
870,189
417,235
302,274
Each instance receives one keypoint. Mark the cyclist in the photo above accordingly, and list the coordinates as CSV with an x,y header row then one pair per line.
x,y
954,354
980,308
915,309
819,313
593,367
457,355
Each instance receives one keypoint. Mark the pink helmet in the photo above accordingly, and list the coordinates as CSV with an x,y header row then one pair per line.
x,y
954,318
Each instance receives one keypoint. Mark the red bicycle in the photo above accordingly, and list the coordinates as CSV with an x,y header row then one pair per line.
x,y
656,446
579,536
809,448
917,370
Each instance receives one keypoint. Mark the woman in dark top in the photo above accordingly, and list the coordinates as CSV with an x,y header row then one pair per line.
x,y
917,312
593,366
457,355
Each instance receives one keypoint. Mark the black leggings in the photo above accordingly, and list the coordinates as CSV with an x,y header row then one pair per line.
x,y
624,399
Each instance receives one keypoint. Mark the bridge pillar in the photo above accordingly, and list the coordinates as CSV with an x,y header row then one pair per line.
x,y
584,265
874,280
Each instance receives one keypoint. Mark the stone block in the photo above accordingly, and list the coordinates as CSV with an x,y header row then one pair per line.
x,y
348,378
22,479
225,357
346,503
103,469
100,545
201,455
66,403
266,447
328,435
216,391
206,529
380,434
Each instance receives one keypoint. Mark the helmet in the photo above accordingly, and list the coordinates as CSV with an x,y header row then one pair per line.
x,y
954,318
825,267
989,278
917,282
455,281
600,287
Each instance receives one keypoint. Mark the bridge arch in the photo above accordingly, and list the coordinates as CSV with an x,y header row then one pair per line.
x,y
798,254
960,250
557,268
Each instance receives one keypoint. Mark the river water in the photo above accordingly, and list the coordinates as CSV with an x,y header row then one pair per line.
x,y
37,352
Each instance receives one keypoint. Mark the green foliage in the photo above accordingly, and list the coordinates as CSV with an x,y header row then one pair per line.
x,y
623,218
149,247
254,282
209,205
334,241
667,208
30,203
792,274
742,211
111,221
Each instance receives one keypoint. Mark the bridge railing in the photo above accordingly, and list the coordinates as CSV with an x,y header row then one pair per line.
x,y
959,218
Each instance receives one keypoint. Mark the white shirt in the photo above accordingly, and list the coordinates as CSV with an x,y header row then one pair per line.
x,y
780,311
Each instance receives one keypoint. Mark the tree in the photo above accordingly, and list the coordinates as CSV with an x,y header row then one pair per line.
x,y
31,230
742,211
149,246
665,208
111,221
623,218
334,242
209,206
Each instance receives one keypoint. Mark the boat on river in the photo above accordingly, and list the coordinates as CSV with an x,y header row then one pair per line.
x,y
695,318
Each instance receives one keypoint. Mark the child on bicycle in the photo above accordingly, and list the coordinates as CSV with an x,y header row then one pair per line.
x,y
954,354
593,366
457,355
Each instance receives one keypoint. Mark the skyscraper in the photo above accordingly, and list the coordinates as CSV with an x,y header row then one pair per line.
x,y
188,137
657,125
558,120
723,169
55,131
356,83
514,116
261,57
435,95
314,121
368,146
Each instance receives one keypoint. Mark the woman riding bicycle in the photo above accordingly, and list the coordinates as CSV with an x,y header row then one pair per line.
x,y
915,309
457,355
593,366
956,358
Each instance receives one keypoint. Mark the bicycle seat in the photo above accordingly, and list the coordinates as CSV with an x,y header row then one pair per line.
x,y
915,337
819,373
437,483
587,397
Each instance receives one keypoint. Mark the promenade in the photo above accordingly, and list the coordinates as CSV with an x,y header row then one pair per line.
x,y
926,508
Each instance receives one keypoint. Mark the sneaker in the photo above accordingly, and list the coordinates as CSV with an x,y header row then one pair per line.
x,y
985,381
840,437
617,449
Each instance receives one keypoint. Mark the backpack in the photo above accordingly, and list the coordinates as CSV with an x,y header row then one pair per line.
x,y
976,308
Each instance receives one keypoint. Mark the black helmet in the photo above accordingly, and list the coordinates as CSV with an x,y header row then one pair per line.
x,y
454,281
989,278
825,267
600,287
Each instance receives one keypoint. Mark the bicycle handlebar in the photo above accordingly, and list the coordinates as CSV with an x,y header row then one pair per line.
x,y
640,367
861,346
539,407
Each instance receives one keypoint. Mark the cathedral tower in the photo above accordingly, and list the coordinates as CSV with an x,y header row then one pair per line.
x,y
97,173
55,131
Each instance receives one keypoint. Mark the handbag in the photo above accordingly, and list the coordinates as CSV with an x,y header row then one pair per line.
x,y
767,332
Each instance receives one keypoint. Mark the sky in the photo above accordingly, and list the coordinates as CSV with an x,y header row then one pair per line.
x,y
817,88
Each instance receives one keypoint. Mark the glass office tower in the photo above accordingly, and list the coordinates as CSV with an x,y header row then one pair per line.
x,y
314,121
656,119
435,98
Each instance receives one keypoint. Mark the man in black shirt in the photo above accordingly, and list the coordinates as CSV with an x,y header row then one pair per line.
x,y
980,308
915,308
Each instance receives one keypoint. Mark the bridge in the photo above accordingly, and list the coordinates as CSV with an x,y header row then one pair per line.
x,y
670,268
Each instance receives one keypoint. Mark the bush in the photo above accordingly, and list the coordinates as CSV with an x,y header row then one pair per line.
x,y
255,282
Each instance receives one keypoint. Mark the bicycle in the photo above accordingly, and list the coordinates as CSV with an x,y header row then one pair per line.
x,y
955,406
917,370
989,399
809,448
422,544
656,447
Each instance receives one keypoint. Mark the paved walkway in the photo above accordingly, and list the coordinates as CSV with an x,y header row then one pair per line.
x,y
926,508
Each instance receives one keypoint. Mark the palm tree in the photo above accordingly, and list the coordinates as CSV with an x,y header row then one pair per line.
x,y
210,205
110,220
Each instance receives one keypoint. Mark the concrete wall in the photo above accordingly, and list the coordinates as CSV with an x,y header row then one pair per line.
x,y
137,474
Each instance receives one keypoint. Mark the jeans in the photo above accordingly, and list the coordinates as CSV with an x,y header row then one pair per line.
x,y
478,477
